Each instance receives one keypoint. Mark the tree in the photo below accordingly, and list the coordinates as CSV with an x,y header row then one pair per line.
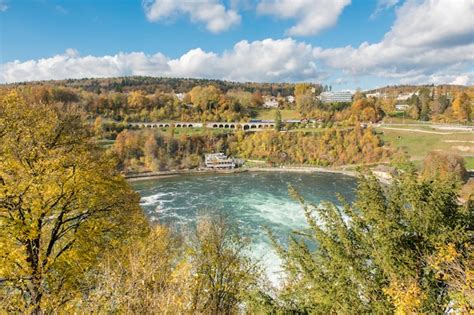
x,y
376,255
62,204
462,107
444,165
148,276
225,276
278,120
304,98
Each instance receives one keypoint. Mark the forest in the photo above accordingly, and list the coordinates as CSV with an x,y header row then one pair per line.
x,y
73,238
127,99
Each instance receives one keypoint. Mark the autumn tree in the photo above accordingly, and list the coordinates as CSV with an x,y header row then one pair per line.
x,y
205,98
379,253
62,204
304,97
444,165
225,276
462,108
147,276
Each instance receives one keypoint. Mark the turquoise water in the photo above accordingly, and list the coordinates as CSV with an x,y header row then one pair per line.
x,y
249,200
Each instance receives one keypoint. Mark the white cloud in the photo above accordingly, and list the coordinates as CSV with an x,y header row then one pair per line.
x,y
462,80
429,42
210,12
266,60
383,5
426,38
312,16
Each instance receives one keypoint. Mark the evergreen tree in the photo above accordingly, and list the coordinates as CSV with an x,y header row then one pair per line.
x,y
382,253
278,120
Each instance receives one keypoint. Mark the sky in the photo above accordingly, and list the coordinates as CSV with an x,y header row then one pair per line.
x,y
347,44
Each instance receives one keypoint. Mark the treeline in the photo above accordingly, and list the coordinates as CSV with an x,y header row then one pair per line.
x,y
331,147
208,100
73,239
167,85
201,103
442,89
424,106
140,151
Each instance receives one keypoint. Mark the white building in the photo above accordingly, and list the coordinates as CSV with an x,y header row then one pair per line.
x,y
290,99
336,97
270,102
376,94
404,96
402,107
180,96
218,161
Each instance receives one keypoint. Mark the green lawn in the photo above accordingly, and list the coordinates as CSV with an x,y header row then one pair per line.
x,y
269,114
419,144
469,162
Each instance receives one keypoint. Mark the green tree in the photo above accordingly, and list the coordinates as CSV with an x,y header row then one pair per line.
x,y
225,276
278,120
376,254
62,204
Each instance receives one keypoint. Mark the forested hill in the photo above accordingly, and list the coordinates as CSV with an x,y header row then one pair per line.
x,y
166,85
441,89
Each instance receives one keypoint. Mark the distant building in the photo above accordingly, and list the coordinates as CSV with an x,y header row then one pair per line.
x,y
336,97
218,161
270,102
402,107
180,96
290,99
376,94
404,96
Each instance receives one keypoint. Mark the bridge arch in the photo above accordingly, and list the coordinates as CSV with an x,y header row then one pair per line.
x,y
190,126
221,126
246,127
215,126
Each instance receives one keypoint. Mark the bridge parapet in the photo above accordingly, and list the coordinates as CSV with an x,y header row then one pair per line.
x,y
210,125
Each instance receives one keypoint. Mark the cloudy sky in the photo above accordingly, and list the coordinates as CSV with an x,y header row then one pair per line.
x,y
347,44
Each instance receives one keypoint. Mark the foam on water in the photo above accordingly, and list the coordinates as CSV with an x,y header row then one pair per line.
x,y
249,200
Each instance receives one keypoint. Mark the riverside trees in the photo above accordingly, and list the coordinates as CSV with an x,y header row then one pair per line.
x,y
406,249
74,239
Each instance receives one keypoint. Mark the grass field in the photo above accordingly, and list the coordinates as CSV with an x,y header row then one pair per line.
x,y
269,114
418,144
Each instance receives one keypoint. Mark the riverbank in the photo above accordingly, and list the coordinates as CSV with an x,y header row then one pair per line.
x,y
289,169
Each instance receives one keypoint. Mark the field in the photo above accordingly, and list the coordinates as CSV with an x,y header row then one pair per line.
x,y
417,144
269,114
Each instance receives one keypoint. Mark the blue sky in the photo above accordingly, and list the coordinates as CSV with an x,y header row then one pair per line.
x,y
280,40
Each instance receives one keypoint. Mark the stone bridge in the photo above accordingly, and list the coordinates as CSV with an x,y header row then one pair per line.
x,y
243,125
165,124
210,125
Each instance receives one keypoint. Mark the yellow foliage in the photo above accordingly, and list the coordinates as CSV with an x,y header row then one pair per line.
x,y
407,297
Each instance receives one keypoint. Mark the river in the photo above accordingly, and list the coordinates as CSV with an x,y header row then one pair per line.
x,y
249,200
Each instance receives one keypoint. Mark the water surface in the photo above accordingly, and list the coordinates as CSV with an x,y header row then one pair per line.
x,y
249,200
